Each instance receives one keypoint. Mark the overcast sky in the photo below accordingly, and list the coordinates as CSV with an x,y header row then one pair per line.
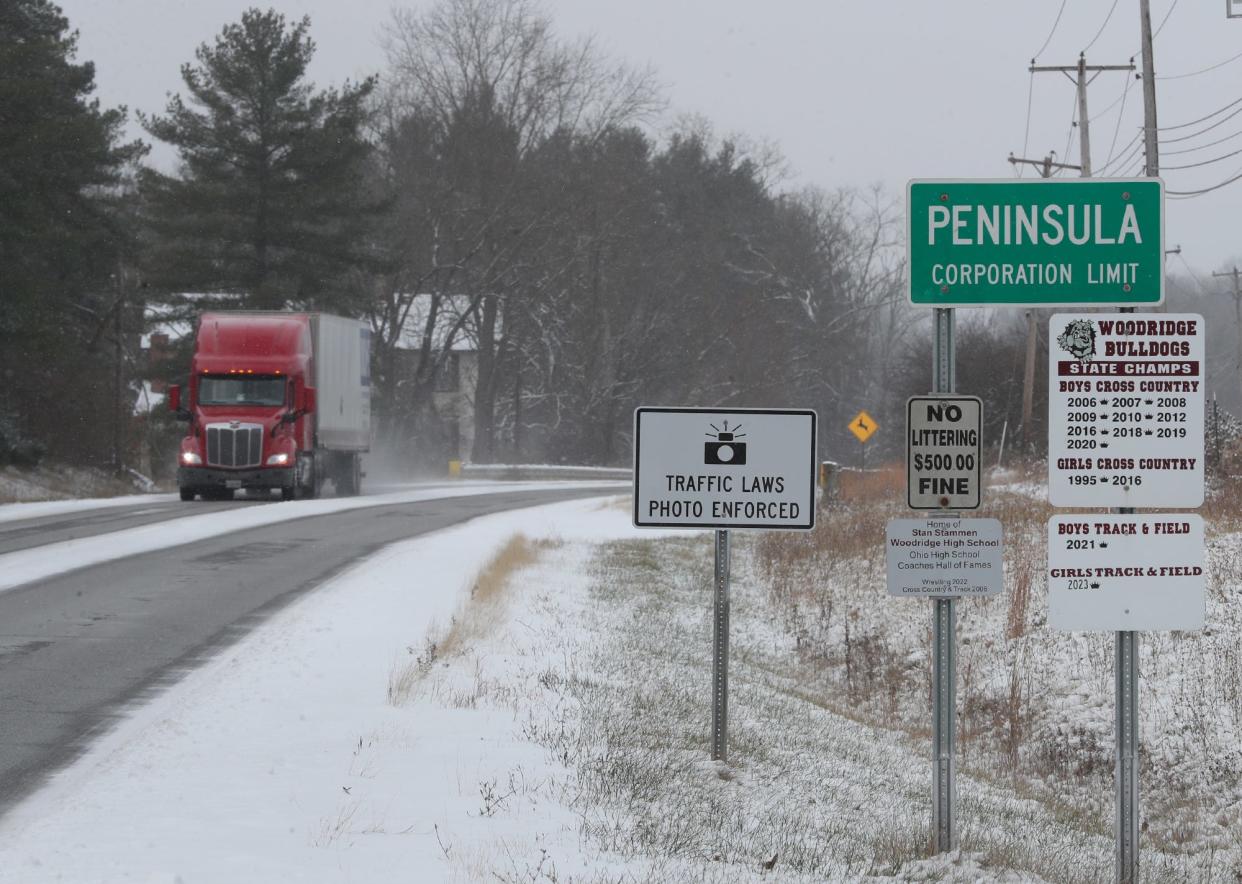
x,y
853,93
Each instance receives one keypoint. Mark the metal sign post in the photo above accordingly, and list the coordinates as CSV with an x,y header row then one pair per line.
x,y
744,468
944,650
1127,779
720,651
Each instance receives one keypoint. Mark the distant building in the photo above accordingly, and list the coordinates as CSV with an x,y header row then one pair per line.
x,y
457,379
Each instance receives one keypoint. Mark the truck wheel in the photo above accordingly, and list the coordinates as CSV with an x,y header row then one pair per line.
x,y
306,479
288,492
349,477
308,490
186,493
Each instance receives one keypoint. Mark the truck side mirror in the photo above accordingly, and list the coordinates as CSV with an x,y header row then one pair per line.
x,y
174,403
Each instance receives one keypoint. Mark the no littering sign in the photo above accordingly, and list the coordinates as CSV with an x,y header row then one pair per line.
x,y
943,469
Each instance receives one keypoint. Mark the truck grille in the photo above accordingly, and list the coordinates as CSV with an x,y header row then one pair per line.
x,y
229,446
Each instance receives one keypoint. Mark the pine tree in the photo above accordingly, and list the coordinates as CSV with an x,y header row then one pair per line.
x,y
270,202
61,162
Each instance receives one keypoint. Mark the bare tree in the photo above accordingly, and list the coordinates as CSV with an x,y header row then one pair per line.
x,y
476,86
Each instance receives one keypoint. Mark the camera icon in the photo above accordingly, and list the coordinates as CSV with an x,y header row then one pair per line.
x,y
725,450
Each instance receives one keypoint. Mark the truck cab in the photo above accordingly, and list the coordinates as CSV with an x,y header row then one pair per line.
x,y
252,404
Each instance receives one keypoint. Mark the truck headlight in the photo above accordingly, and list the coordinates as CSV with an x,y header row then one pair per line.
x,y
278,460
189,458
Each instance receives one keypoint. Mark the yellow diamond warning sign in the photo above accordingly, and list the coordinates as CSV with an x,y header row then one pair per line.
x,y
863,426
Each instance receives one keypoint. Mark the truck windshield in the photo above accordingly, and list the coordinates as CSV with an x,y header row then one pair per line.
x,y
241,391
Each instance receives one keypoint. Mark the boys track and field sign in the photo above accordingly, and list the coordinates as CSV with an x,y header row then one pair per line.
x,y
724,468
1037,242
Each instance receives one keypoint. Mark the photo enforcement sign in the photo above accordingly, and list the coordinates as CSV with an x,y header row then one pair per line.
x,y
724,468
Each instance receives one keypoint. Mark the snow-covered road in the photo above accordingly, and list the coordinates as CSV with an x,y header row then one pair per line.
x,y
29,565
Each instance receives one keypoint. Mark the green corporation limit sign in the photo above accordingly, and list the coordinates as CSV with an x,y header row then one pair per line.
x,y
1036,242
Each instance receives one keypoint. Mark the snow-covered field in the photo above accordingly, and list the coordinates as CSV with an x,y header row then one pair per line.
x,y
525,699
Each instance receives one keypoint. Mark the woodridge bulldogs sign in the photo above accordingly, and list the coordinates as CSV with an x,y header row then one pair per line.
x,y
1125,410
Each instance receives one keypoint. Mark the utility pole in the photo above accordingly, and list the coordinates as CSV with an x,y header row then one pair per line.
x,y
1237,311
1044,167
1084,121
1081,81
1151,146
1028,382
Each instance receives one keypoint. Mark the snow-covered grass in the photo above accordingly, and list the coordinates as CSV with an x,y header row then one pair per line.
x,y
62,482
1035,706
41,562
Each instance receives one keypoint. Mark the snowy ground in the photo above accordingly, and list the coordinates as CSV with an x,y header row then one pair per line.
x,y
284,758
63,482
524,698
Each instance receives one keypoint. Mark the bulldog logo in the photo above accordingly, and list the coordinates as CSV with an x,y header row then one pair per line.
x,y
1079,340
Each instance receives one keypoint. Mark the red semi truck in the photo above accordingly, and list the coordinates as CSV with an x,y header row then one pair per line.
x,y
275,400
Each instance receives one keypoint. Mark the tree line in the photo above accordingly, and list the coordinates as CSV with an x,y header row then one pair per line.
x,y
495,187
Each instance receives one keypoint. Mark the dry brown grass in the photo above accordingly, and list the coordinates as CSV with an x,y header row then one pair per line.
x,y
486,605
480,613
874,484
1222,505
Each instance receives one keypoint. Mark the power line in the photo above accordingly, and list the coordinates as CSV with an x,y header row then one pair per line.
x,y
1192,273
1135,147
1116,101
1203,146
1202,71
1205,162
1069,137
1121,113
1026,139
1201,119
1219,122
1186,194
1107,18
1164,20
1129,144
1060,12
